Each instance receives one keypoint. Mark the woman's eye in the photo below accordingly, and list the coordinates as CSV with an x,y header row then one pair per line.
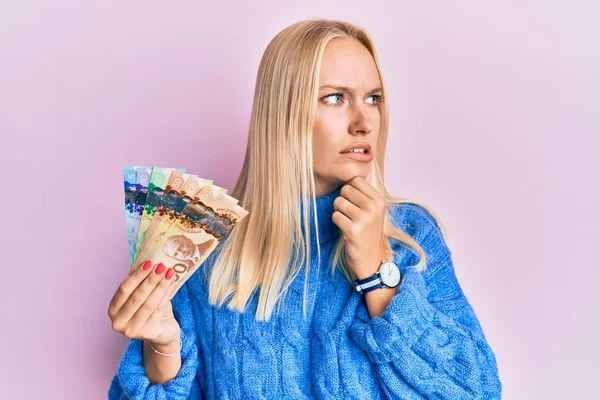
x,y
378,99
333,95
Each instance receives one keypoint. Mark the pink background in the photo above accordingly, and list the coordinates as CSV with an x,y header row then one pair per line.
x,y
494,124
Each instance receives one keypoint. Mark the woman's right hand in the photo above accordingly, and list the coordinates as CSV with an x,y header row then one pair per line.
x,y
141,306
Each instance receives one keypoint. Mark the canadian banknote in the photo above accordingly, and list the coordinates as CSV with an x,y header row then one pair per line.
x,y
206,219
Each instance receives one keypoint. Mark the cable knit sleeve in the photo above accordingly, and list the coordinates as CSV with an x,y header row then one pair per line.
x,y
428,341
130,380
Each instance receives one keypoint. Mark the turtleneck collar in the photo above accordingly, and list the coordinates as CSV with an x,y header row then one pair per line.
x,y
327,228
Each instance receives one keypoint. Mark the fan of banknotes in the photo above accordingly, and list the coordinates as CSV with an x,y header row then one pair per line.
x,y
175,218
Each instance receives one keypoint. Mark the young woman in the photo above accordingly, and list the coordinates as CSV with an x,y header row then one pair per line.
x,y
330,288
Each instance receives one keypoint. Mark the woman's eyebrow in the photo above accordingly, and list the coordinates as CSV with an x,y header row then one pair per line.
x,y
348,90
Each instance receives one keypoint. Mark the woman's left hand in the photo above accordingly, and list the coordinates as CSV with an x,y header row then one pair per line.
x,y
360,213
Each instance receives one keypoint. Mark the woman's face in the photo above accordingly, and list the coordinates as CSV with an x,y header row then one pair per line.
x,y
346,114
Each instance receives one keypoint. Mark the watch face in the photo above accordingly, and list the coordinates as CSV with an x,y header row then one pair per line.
x,y
390,274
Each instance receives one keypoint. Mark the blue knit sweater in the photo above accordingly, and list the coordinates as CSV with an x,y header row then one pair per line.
x,y
428,344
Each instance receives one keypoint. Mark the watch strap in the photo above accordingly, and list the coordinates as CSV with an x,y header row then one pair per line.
x,y
368,284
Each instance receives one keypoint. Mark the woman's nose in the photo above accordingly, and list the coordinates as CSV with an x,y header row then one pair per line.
x,y
361,122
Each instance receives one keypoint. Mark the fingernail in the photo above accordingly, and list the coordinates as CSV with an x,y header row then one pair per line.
x,y
147,265
159,269
169,273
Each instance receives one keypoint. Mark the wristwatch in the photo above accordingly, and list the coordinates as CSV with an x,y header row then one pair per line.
x,y
387,276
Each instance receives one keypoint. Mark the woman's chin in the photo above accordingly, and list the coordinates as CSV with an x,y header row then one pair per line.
x,y
363,171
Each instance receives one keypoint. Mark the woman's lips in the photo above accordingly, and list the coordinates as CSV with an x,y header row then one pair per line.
x,y
364,157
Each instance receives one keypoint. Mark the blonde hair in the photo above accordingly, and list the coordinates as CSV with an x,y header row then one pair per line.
x,y
267,249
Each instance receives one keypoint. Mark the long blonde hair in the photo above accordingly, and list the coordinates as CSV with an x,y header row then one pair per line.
x,y
267,249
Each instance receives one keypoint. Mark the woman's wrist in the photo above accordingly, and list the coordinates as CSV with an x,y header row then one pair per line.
x,y
161,369
162,353
172,347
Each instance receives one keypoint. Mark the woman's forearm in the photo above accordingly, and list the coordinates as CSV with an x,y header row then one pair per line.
x,y
161,369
